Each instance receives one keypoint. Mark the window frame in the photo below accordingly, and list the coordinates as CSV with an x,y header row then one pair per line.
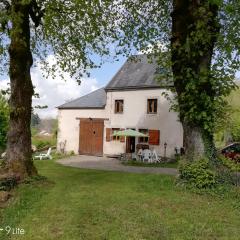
x,y
145,131
115,138
148,105
115,106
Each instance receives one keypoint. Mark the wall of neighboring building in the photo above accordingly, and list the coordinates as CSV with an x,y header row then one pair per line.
x,y
68,125
134,116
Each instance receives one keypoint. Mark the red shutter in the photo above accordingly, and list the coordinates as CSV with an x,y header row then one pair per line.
x,y
108,134
154,137
122,139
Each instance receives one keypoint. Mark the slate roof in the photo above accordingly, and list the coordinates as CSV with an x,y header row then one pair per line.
x,y
95,100
137,73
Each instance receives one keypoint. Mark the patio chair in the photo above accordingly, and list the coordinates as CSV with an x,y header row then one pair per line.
x,y
147,155
42,156
155,157
140,154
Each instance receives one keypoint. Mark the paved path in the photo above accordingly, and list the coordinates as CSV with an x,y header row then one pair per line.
x,y
111,164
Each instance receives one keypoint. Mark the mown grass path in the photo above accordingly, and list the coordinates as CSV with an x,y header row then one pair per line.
x,y
89,204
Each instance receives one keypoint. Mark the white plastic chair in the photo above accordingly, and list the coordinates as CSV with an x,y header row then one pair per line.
x,y
140,154
42,156
147,155
155,157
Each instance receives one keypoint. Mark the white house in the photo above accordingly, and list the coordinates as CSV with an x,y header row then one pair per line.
x,y
132,99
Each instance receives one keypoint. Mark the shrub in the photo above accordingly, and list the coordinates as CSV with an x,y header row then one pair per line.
x,y
198,174
229,172
8,183
43,141
233,165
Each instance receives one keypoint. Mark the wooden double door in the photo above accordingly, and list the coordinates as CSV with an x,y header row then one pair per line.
x,y
91,137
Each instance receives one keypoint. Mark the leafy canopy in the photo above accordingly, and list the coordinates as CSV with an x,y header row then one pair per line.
x,y
75,31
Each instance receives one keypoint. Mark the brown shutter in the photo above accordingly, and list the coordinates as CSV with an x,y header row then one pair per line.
x,y
108,134
122,139
154,137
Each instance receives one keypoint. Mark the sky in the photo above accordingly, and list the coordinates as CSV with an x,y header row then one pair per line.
x,y
55,92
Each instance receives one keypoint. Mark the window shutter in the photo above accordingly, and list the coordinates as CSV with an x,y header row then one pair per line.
x,y
108,134
154,137
122,139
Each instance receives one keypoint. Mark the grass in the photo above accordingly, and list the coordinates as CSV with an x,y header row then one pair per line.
x,y
43,141
89,204
142,164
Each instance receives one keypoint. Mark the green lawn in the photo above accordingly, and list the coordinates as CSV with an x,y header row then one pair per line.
x,y
88,204
142,164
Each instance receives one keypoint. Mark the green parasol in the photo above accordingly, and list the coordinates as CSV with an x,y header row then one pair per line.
x,y
129,133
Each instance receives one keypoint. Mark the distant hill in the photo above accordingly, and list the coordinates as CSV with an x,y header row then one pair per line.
x,y
48,125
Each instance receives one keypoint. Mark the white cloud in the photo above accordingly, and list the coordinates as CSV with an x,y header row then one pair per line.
x,y
55,91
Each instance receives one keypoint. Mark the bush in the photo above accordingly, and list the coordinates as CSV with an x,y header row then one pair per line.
x,y
43,141
8,183
233,165
229,172
198,174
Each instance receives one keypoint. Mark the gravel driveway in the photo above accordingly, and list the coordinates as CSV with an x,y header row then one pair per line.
x,y
111,164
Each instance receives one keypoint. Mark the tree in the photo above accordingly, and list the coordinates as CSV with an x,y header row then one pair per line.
x,y
197,42
202,77
35,120
30,30
4,118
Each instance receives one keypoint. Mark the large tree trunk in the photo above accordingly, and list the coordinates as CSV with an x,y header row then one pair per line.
x,y
19,153
193,142
191,59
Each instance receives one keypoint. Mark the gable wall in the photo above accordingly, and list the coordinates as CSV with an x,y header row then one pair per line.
x,y
68,125
135,116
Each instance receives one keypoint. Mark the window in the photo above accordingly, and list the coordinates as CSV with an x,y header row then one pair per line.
x,y
115,138
152,106
143,139
118,106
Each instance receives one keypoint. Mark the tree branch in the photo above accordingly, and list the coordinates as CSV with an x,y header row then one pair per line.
x,y
6,4
5,8
36,13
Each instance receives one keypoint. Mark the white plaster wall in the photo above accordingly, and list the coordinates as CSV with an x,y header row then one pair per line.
x,y
68,125
134,116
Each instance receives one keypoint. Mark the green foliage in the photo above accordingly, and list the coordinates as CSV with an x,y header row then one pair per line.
x,y
34,131
4,119
228,129
35,120
230,164
43,141
233,126
206,53
198,174
8,183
